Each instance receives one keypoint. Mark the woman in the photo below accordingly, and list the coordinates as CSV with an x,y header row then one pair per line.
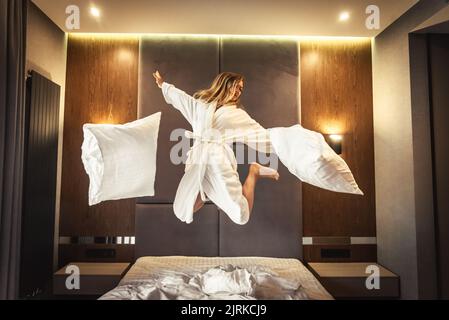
x,y
211,168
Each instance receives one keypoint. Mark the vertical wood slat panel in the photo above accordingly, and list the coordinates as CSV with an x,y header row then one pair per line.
x,y
336,86
102,84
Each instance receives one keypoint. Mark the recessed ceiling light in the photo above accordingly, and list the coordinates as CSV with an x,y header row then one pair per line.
x,y
95,12
344,16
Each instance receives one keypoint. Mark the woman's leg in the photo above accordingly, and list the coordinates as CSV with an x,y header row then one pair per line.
x,y
256,171
198,204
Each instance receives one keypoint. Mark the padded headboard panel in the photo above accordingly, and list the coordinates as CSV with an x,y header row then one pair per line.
x,y
160,233
189,63
271,97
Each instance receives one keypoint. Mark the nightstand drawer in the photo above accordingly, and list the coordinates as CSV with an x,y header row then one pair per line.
x,y
94,278
348,280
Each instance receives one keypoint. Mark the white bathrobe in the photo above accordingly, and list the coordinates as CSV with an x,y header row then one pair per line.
x,y
211,168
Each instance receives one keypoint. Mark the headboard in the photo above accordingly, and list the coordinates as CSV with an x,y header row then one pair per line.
x,y
270,67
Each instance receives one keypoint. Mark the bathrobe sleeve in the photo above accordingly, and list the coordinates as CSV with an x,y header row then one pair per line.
x,y
183,102
251,132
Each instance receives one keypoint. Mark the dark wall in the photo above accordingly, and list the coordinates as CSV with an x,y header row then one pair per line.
x,y
404,204
271,97
190,64
47,54
439,84
422,137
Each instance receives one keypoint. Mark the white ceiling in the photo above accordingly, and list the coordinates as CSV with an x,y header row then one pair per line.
x,y
234,17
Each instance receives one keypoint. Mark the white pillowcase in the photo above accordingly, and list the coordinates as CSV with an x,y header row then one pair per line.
x,y
121,159
308,156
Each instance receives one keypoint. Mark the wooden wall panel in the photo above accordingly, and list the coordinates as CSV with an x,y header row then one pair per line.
x,y
102,87
336,89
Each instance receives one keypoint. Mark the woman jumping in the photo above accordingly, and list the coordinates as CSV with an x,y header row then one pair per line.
x,y
211,168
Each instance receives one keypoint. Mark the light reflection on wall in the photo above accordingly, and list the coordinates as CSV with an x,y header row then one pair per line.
x,y
319,60
125,56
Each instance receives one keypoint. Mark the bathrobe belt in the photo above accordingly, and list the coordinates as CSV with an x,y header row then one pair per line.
x,y
198,154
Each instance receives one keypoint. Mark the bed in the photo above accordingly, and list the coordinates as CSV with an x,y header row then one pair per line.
x,y
206,261
182,278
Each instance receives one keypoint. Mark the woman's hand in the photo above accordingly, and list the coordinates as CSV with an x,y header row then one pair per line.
x,y
159,79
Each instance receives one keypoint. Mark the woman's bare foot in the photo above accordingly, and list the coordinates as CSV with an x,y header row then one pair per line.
x,y
263,172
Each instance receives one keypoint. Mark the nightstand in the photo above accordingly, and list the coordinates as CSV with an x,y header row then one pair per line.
x,y
348,280
95,279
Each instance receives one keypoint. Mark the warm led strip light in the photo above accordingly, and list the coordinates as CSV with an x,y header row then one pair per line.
x,y
181,35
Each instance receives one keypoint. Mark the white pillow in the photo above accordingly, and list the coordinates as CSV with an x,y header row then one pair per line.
x,y
308,156
121,159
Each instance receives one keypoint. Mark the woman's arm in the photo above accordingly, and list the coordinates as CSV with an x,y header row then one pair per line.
x,y
185,103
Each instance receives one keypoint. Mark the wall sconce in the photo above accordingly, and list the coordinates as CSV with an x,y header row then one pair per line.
x,y
335,141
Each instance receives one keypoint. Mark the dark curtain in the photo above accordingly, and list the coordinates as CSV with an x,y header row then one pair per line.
x,y
13,17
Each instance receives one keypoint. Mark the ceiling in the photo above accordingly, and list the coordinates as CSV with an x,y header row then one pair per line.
x,y
436,23
233,17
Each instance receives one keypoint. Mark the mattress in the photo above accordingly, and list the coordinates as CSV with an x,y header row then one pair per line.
x,y
290,269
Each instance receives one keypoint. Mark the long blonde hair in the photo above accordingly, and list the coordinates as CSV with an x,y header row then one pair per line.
x,y
222,89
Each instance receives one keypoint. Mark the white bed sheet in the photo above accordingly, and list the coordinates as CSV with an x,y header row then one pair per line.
x,y
290,269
